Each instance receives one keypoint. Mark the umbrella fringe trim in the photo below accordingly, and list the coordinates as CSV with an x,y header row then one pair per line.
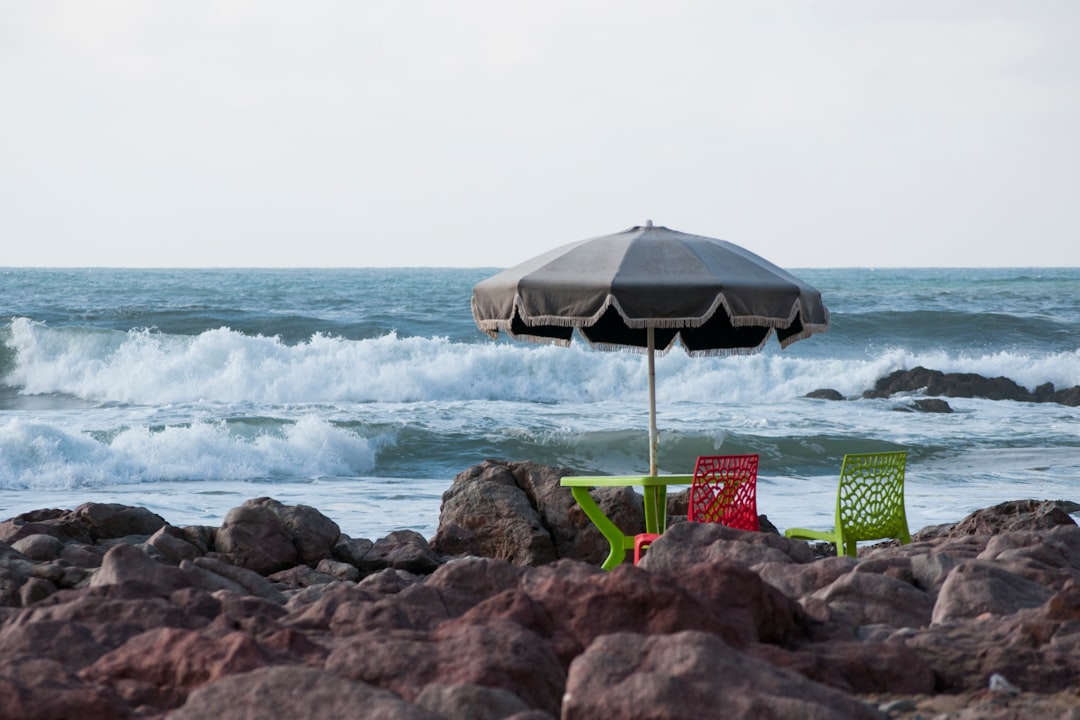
x,y
492,326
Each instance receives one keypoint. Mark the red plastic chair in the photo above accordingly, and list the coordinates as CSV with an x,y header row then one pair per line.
x,y
724,491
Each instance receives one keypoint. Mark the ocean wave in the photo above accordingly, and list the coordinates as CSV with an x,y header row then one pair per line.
x,y
143,367
48,456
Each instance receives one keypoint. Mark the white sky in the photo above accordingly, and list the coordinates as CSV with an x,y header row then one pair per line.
x,y
479,133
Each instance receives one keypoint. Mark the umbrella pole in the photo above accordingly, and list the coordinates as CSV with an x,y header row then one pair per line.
x,y
651,337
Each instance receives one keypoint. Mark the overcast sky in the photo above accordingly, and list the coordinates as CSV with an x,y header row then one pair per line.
x,y
479,133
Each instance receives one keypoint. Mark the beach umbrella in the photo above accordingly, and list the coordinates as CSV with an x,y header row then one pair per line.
x,y
644,288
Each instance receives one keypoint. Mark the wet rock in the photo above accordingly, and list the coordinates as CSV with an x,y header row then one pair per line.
x,y
967,385
825,394
932,405
1070,397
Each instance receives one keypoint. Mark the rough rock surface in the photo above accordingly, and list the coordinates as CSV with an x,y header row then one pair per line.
x,y
960,385
968,385
110,612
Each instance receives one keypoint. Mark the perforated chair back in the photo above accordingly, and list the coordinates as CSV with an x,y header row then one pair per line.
x,y
725,491
869,502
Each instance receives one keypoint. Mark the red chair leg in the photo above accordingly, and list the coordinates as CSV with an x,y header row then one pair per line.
x,y
641,542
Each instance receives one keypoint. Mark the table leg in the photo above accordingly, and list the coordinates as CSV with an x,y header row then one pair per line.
x,y
655,509
619,542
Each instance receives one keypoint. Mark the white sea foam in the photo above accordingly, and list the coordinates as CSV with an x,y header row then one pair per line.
x,y
221,365
40,455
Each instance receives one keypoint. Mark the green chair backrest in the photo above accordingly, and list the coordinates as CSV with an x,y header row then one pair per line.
x,y
870,500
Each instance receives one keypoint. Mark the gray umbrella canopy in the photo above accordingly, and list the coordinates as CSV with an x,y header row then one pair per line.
x,y
643,289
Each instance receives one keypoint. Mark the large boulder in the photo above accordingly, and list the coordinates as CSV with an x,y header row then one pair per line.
x,y
626,676
254,537
519,512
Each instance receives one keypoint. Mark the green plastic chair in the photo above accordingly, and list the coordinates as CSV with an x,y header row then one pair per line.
x,y
869,503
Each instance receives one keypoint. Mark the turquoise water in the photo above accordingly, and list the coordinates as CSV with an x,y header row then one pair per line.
x,y
363,392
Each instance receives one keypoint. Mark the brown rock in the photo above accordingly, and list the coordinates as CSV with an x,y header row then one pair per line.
x,y
111,520
298,693
112,613
57,523
485,512
496,654
173,544
402,550
338,570
725,599
864,598
248,580
35,589
159,667
1015,515
39,547
688,543
799,580
1036,649
313,534
253,537
855,667
625,676
42,689
974,588
124,562
470,701
71,643
519,512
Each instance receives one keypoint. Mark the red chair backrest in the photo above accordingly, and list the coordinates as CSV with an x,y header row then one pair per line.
x,y
725,491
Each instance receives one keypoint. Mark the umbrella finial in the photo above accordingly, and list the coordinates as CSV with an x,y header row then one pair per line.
x,y
648,223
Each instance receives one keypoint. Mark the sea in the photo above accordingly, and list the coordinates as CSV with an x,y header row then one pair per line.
x,y
364,392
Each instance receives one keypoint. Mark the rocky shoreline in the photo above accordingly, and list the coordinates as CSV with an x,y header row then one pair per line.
x,y
935,384
107,611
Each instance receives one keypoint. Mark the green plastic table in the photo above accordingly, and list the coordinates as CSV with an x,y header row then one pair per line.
x,y
654,488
